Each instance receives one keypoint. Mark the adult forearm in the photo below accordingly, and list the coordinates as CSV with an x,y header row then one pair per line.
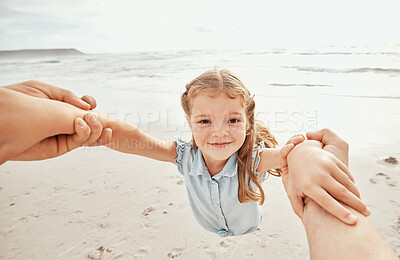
x,y
329,238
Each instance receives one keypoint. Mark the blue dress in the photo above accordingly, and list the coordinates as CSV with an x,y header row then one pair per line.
x,y
214,200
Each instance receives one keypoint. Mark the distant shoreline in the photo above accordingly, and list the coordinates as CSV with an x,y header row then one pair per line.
x,y
37,53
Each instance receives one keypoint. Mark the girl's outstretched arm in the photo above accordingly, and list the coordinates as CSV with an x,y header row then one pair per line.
x,y
127,138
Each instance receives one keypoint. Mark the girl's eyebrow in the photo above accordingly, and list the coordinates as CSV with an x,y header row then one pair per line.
x,y
232,113
201,115
236,113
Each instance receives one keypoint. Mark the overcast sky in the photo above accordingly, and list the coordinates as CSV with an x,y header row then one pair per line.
x,y
126,25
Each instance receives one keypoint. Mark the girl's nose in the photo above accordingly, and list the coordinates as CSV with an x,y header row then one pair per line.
x,y
220,130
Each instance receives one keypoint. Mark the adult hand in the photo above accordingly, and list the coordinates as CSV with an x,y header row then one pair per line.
x,y
333,144
43,90
325,180
88,132
54,146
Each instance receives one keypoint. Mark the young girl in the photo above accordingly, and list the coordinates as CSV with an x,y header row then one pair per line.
x,y
222,168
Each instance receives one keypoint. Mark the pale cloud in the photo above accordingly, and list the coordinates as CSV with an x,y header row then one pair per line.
x,y
123,25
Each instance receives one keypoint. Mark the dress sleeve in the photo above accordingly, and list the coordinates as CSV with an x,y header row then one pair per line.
x,y
181,147
257,158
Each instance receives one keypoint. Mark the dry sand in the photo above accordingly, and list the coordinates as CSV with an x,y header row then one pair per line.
x,y
100,204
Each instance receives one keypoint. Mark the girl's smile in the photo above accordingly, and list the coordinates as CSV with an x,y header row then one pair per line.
x,y
221,144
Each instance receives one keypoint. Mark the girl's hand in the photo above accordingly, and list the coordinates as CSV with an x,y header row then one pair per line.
x,y
88,132
290,144
322,177
294,195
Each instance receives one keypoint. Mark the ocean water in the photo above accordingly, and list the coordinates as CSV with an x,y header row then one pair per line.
x,y
355,90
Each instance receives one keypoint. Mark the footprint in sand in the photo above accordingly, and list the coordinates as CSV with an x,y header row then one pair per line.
x,y
381,175
29,216
147,211
396,226
174,253
107,214
273,235
112,187
99,252
120,256
391,160
140,253
261,243
103,224
58,188
87,193
159,189
225,243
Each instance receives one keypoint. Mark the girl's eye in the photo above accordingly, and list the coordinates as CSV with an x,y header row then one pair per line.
x,y
233,121
204,121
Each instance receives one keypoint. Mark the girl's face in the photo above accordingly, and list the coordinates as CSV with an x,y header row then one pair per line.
x,y
218,125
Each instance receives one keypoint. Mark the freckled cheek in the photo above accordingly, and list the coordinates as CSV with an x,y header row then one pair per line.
x,y
238,130
200,134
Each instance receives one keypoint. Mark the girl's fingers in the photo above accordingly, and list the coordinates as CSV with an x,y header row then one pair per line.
x,y
321,197
341,193
104,138
284,164
96,129
286,149
82,133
